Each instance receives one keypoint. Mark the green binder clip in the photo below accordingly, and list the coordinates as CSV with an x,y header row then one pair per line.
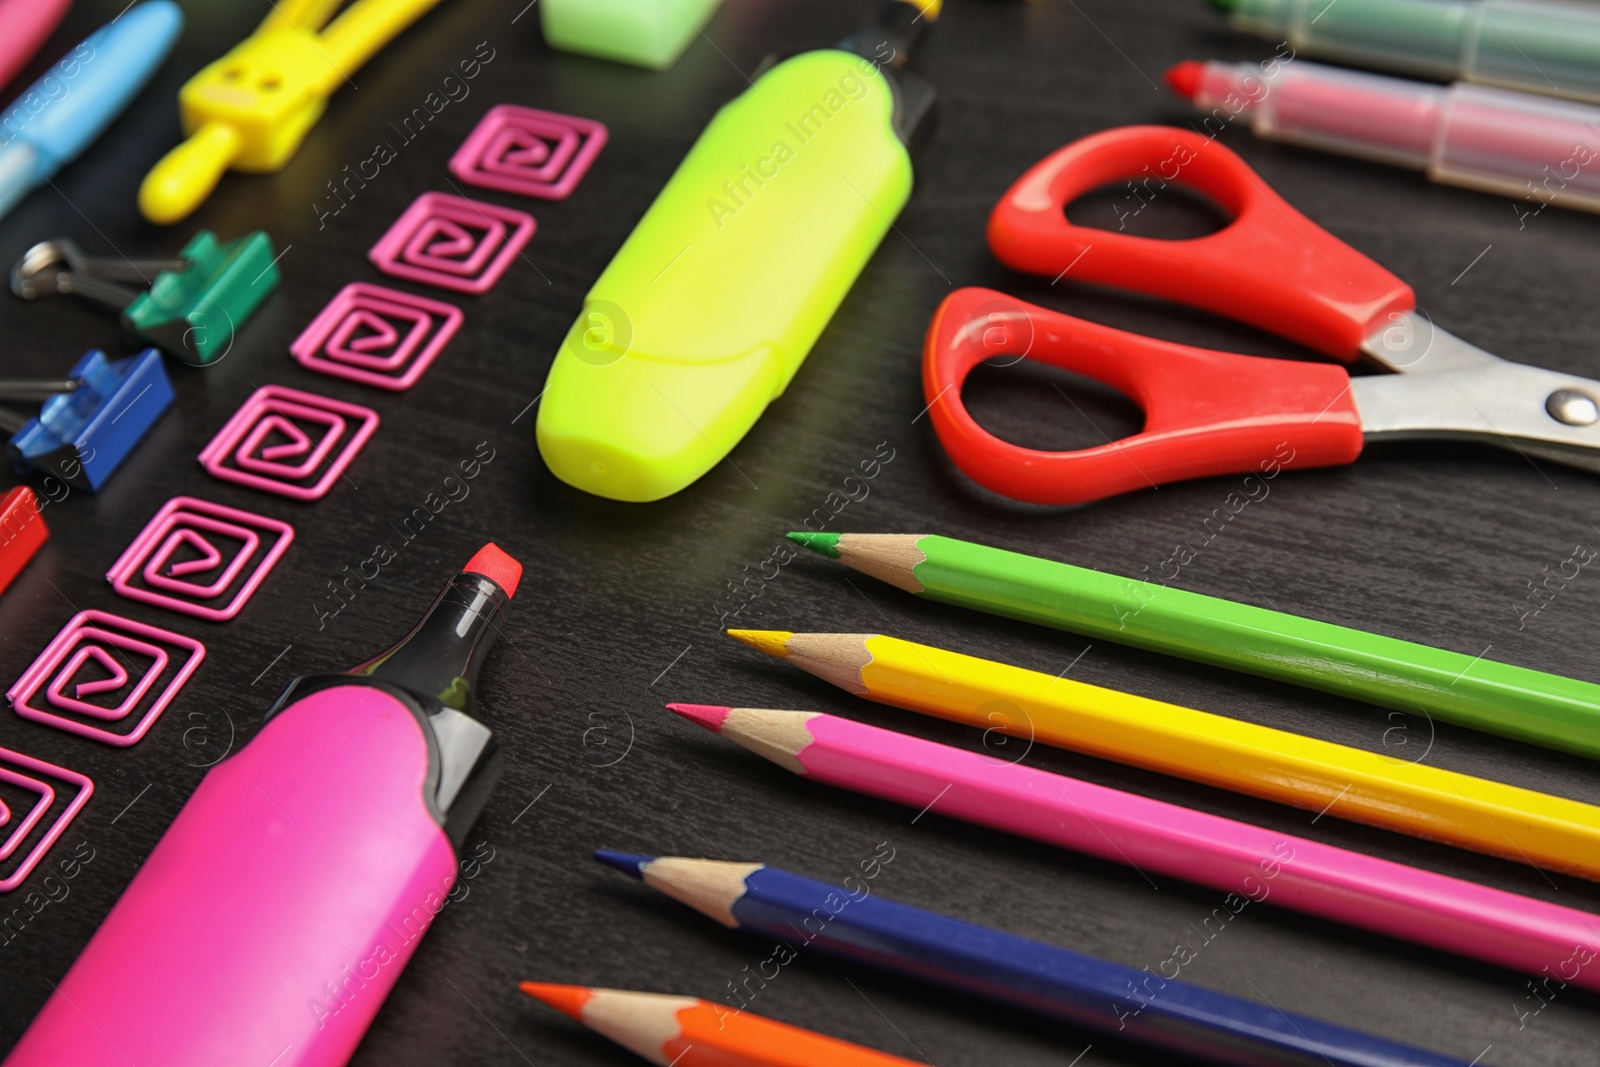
x,y
192,308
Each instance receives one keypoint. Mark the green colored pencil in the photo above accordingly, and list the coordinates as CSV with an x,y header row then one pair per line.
x,y
1498,698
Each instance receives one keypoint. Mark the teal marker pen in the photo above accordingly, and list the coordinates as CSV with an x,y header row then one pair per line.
x,y
1538,47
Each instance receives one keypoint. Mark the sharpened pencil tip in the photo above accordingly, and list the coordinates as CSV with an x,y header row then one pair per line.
x,y
823,544
626,862
567,999
711,716
772,642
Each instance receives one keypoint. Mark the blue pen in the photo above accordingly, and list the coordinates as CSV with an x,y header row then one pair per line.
x,y
59,115
854,923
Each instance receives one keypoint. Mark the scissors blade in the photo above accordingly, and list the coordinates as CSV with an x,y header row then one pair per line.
x,y
1454,390
1409,343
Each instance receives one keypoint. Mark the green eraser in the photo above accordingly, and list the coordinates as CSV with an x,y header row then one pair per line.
x,y
646,33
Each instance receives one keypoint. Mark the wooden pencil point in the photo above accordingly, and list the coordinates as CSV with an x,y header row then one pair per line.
x,y
567,999
823,544
642,1023
779,736
710,716
628,863
838,659
710,887
890,558
772,642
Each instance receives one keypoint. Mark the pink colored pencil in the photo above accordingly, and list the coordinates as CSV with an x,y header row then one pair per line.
x,y
1152,836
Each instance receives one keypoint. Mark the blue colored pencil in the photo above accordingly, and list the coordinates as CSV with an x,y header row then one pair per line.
x,y
1093,993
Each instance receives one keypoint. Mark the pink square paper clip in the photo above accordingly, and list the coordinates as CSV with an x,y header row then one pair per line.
x,y
376,336
288,442
29,774
139,666
452,242
527,151
200,558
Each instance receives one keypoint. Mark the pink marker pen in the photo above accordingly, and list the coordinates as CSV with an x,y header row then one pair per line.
x,y
25,25
1497,140
272,919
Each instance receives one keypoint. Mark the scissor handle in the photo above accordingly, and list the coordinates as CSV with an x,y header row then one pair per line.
x,y
1206,412
1270,266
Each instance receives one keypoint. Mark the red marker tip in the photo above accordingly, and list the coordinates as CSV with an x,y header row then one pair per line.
x,y
493,563
1184,78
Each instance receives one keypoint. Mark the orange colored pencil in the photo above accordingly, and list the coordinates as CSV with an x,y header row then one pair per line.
x,y
689,1032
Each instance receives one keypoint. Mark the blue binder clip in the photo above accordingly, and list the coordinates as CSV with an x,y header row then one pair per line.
x,y
87,427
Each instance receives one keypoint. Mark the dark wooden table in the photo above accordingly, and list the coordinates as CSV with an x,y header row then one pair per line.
x,y
623,604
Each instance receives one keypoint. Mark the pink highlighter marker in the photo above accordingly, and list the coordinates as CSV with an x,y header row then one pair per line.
x,y
1495,140
272,919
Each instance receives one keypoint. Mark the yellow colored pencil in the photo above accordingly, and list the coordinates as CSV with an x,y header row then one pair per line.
x,y
1521,825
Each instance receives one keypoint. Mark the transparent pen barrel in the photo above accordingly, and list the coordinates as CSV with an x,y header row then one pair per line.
x,y
1520,145
1389,120
19,166
1537,46
1545,48
1426,37
1534,148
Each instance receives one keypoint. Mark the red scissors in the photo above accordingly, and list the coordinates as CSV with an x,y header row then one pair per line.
x,y
1209,412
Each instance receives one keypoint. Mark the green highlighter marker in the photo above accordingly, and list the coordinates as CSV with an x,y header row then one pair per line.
x,y
717,296
1483,694
1548,48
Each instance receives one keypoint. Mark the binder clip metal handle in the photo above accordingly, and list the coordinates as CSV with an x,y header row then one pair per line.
x,y
59,266
189,307
36,389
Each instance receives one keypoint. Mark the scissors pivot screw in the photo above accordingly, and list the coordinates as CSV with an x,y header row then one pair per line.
x,y
1573,408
